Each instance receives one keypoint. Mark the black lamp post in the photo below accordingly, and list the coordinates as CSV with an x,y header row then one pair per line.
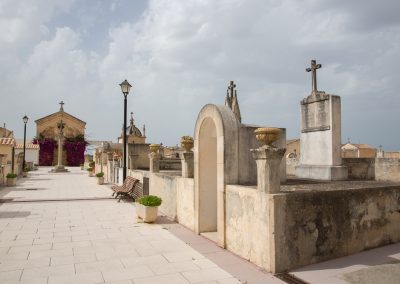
x,y
125,87
25,119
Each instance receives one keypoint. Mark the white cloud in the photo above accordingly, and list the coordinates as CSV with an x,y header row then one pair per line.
x,y
180,55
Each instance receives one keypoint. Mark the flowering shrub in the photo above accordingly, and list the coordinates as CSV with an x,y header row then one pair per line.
x,y
75,152
74,147
46,152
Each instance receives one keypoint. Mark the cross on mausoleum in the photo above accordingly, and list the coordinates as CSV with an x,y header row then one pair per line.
x,y
313,69
61,106
231,87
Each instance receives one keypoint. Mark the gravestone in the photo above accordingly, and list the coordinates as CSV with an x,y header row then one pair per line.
x,y
320,138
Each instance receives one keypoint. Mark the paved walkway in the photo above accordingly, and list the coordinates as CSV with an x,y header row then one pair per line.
x,y
380,265
100,240
64,228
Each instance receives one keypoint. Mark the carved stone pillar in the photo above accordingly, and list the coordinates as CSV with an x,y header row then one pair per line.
x,y
187,160
133,161
154,162
268,159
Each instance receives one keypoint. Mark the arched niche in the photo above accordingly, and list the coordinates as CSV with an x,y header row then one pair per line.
x,y
215,165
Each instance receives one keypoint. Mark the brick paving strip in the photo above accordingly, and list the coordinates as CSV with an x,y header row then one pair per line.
x,y
70,231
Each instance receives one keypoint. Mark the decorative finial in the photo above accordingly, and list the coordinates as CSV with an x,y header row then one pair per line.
x,y
313,70
144,130
61,106
132,120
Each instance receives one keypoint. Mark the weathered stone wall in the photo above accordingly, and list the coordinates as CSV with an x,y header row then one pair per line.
x,y
247,224
312,227
360,168
291,164
170,164
387,169
177,194
142,150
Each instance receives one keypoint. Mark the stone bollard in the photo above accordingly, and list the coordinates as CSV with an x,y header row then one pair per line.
x,y
187,160
133,158
154,162
268,161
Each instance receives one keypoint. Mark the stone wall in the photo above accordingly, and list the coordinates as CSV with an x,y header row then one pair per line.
x,y
170,164
291,164
387,169
247,224
142,150
311,227
177,194
360,168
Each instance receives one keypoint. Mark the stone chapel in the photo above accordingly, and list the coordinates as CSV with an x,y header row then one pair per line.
x,y
47,131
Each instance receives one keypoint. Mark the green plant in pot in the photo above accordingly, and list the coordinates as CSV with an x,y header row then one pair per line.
x,y
90,171
92,164
11,179
25,171
100,178
147,208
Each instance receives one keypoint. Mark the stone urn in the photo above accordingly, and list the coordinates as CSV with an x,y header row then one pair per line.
x,y
187,143
11,181
100,180
154,148
268,135
147,213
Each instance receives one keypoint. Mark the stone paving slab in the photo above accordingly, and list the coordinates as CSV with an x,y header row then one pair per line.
x,y
72,185
379,265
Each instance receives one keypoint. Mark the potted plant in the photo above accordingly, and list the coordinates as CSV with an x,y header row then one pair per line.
x,y
90,171
100,178
82,166
25,172
147,208
91,164
11,179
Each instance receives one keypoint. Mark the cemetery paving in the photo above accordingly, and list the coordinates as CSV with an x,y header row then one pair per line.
x,y
64,228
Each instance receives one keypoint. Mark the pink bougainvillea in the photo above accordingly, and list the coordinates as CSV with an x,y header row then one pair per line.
x,y
46,152
75,152
74,147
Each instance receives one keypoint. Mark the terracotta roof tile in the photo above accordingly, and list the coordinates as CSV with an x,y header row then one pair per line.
x,y
7,141
28,146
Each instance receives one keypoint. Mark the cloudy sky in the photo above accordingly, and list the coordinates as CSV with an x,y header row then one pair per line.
x,y
180,55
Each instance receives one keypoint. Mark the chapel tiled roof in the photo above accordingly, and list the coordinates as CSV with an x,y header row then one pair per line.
x,y
27,146
7,141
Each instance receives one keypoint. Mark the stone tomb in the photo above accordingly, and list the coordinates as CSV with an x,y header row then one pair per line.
x,y
320,138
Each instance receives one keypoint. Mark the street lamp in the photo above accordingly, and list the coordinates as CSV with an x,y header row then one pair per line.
x,y
125,87
25,119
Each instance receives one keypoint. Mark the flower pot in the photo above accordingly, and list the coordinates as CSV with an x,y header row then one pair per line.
x,y
24,174
154,148
267,135
187,143
11,181
90,173
147,213
100,180
82,168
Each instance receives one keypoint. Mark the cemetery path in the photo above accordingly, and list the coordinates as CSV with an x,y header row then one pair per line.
x,y
64,228
379,265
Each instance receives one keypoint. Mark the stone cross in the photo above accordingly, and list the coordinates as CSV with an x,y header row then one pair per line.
x,y
62,106
313,70
231,88
61,125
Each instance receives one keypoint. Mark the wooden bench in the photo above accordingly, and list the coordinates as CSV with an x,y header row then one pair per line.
x,y
125,189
